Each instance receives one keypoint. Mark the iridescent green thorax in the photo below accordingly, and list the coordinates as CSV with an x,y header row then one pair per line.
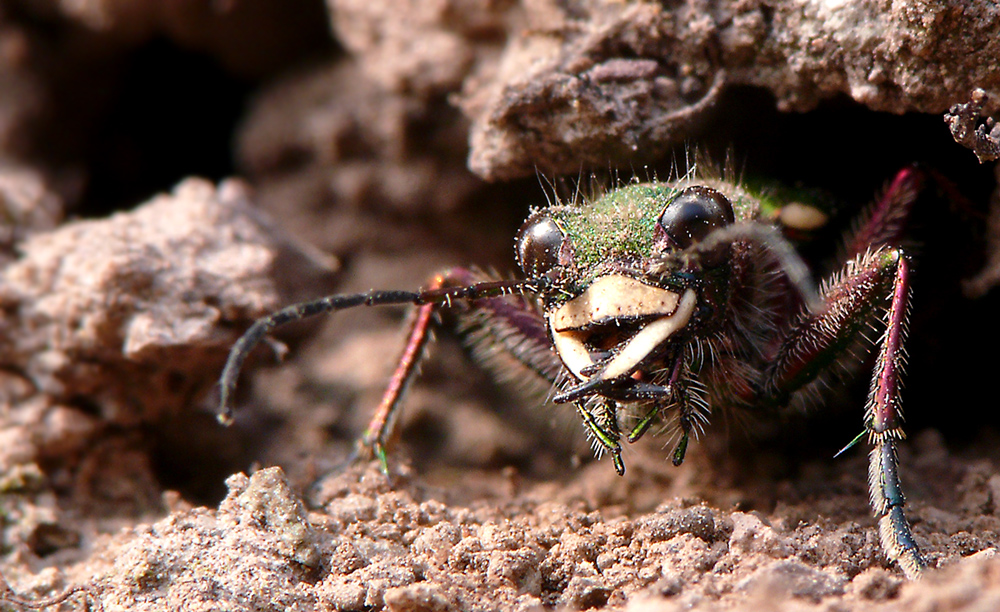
x,y
617,227
617,230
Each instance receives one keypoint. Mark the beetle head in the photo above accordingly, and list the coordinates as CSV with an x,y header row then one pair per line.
x,y
626,275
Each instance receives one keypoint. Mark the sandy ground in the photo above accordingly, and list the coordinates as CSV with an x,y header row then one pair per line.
x,y
349,145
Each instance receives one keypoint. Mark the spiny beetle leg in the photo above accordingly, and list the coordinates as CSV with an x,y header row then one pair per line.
x,y
875,279
884,223
883,419
381,426
852,290
871,283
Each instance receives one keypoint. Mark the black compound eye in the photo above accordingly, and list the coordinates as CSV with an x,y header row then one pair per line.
x,y
538,243
693,214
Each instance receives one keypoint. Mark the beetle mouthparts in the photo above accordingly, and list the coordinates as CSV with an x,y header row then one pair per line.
x,y
607,301
614,297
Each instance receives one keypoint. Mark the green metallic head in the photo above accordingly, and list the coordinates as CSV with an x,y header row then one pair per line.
x,y
625,270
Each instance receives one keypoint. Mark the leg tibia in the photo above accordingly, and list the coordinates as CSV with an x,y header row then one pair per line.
x,y
885,221
883,419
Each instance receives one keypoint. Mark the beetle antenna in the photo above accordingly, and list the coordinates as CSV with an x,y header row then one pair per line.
x,y
791,264
442,296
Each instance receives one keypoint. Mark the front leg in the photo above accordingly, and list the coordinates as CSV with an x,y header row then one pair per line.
x,y
870,284
500,325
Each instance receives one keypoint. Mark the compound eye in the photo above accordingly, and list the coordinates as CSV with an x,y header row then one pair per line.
x,y
538,243
693,214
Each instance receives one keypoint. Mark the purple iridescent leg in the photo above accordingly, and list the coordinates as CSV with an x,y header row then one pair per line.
x,y
871,284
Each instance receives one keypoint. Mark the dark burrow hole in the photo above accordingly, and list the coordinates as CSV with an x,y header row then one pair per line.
x,y
193,454
134,121
173,117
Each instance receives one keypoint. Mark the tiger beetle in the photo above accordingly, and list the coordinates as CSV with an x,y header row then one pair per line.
x,y
661,302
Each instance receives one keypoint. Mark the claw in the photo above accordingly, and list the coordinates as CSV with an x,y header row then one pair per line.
x,y
370,447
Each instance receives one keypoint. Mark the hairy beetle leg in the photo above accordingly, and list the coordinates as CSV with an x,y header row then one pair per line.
x,y
501,328
867,283
875,281
884,223
883,417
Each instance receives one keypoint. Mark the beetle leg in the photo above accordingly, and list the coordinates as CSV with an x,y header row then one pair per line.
x,y
885,220
876,273
870,283
382,424
883,416
504,332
